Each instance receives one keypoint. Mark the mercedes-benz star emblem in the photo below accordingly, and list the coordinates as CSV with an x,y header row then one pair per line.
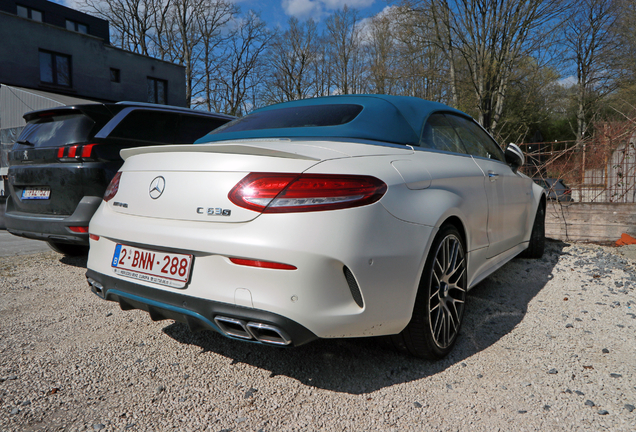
x,y
157,185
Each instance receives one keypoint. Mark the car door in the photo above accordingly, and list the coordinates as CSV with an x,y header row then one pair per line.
x,y
453,171
507,191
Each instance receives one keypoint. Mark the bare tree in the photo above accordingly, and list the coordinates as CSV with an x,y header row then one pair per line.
x,y
291,60
592,45
134,24
421,67
217,14
322,69
381,49
182,38
241,73
343,37
490,37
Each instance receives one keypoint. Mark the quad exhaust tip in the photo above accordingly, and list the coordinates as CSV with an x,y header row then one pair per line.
x,y
97,287
265,333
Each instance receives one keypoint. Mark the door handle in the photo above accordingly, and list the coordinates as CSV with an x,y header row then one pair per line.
x,y
493,176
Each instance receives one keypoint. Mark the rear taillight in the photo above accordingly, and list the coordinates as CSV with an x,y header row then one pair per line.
x,y
112,188
76,153
290,193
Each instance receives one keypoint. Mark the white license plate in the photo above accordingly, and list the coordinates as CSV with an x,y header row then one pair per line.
x,y
169,269
36,193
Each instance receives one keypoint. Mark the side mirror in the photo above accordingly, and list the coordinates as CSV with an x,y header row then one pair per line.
x,y
514,157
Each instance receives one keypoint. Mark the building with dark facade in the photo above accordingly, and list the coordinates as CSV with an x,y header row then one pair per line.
x,y
51,55
47,46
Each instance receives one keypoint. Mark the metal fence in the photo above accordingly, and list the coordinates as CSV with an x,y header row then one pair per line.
x,y
600,169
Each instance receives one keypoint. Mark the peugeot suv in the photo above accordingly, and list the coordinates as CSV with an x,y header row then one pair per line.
x,y
65,157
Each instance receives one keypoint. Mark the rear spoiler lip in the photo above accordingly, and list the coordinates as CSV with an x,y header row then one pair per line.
x,y
228,148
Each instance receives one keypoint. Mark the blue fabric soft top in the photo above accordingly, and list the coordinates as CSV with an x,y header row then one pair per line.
x,y
392,119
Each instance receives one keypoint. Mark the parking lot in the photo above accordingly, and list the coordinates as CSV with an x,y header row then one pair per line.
x,y
546,345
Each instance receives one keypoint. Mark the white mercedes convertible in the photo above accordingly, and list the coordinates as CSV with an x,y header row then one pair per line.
x,y
334,217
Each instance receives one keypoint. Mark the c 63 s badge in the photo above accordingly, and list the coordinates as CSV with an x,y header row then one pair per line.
x,y
214,211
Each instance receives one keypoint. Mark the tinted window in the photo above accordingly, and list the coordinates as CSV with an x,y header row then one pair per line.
x,y
194,127
304,116
142,125
57,130
438,134
477,142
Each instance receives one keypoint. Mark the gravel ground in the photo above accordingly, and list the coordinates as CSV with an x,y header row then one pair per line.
x,y
546,345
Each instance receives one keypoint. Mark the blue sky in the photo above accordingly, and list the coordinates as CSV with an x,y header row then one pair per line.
x,y
276,12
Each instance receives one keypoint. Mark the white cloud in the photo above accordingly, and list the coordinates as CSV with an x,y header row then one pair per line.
x,y
316,9
568,81
302,9
339,4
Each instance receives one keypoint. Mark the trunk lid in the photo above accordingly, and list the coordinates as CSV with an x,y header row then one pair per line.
x,y
192,182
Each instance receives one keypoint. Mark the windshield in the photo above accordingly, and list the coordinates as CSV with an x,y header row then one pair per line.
x,y
56,130
294,117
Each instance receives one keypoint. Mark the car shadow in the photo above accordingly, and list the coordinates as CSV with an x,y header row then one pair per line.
x,y
494,308
75,261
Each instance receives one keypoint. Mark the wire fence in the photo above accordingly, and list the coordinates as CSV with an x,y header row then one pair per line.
x,y
600,169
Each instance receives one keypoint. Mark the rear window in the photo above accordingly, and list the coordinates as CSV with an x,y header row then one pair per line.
x,y
192,128
142,125
56,130
295,117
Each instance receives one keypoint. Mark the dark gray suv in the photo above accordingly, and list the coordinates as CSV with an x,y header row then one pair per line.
x,y
65,157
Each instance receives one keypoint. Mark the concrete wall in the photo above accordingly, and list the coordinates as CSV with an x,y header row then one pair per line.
x,y
594,222
91,60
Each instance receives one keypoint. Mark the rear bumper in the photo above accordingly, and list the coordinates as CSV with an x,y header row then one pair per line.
x,y
50,227
233,321
351,279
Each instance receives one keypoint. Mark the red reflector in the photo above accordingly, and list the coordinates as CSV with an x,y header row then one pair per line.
x,y
72,150
262,264
287,193
112,188
60,152
87,150
79,229
93,237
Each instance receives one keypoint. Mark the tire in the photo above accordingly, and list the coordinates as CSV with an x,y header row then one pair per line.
x,y
537,237
441,298
68,249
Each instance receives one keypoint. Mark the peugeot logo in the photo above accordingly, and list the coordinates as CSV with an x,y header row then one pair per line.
x,y
157,186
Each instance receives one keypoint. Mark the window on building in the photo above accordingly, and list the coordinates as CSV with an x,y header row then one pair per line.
x,y
55,68
115,75
27,12
157,90
75,26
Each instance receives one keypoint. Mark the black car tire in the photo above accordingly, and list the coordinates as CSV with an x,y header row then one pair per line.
x,y
441,299
68,249
537,237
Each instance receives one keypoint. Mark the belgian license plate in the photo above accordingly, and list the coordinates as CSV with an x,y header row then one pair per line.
x,y
169,269
36,193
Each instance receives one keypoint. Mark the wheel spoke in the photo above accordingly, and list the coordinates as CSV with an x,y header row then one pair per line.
x,y
441,268
438,323
459,266
453,259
